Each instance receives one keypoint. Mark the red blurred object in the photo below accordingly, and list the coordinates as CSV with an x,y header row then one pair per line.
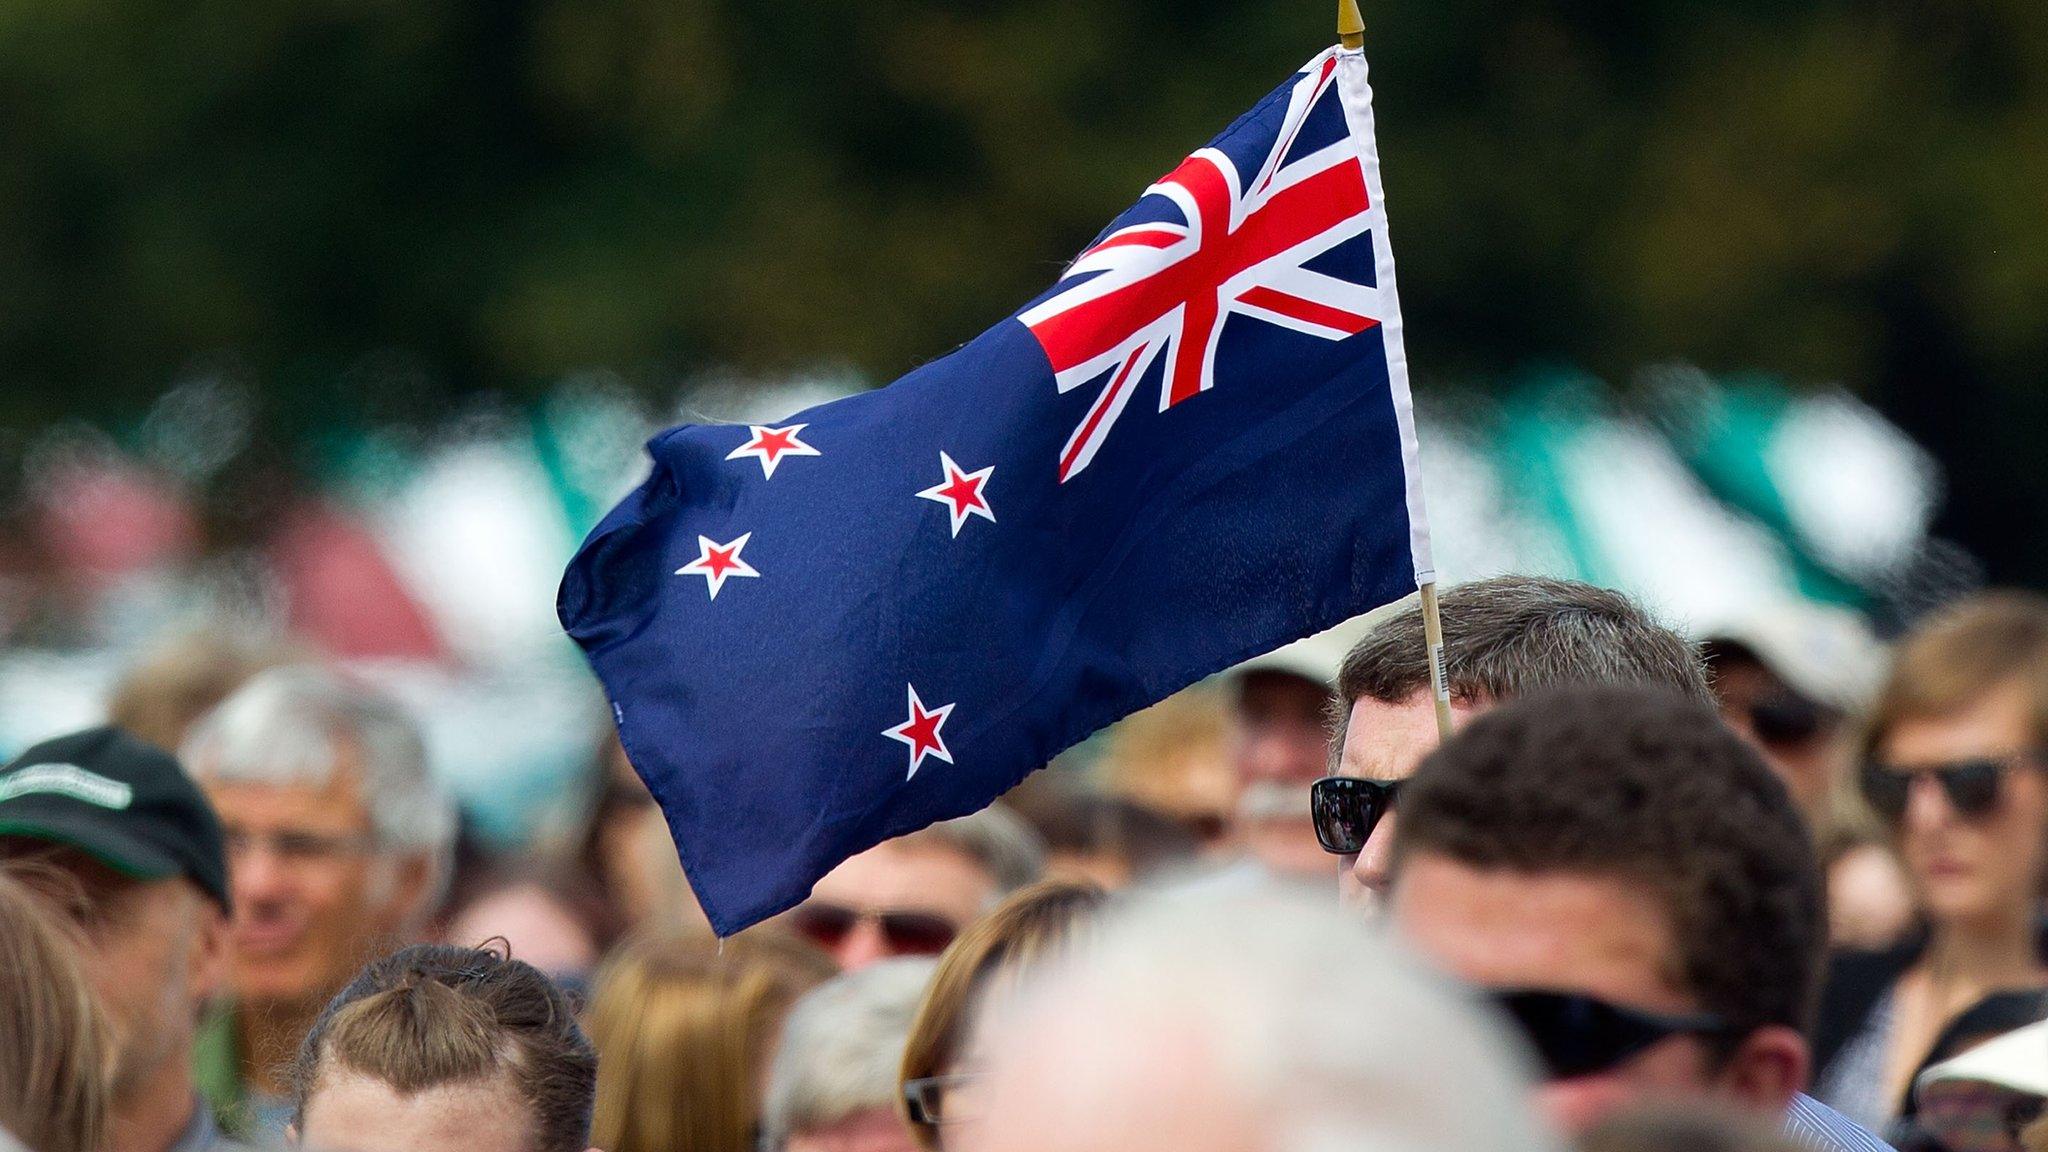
x,y
344,595
108,517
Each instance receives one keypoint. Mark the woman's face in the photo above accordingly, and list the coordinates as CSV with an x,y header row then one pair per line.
x,y
1970,867
963,1100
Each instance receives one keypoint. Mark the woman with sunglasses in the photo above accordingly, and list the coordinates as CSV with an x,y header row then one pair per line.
x,y
941,1062
1954,765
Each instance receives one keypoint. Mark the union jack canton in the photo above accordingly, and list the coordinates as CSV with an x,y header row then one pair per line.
x,y
1220,245
887,610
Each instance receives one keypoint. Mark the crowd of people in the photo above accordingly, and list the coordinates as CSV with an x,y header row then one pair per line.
x,y
1776,888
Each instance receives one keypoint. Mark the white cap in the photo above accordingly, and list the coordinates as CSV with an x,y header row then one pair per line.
x,y
1822,651
2017,1060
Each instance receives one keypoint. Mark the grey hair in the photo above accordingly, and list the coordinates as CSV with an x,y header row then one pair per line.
x,y
1257,996
283,726
842,1049
995,838
1510,635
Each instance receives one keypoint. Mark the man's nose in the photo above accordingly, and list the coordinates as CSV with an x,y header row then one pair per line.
x,y
1265,755
1277,752
256,876
864,945
1374,867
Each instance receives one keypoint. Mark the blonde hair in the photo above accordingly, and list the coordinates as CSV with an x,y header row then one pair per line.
x,y
54,1064
1954,659
1175,757
1035,925
684,1027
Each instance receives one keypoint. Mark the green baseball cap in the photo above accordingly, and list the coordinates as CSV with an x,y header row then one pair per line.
x,y
120,801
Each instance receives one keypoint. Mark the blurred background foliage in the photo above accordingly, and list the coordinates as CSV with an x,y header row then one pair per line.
x,y
364,211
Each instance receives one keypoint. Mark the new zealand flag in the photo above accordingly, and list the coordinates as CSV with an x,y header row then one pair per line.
x,y
889,609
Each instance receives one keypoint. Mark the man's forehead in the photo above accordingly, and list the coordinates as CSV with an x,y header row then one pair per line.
x,y
1562,929
906,865
336,798
1385,741
81,885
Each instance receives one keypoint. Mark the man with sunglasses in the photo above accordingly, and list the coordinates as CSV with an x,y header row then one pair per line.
x,y
910,896
1632,885
1795,680
1502,638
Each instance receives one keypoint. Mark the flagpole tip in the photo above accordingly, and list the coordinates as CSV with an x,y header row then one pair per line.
x,y
1350,24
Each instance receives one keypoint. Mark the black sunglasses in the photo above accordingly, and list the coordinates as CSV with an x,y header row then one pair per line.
x,y
1787,719
905,932
1576,1035
1347,808
1974,787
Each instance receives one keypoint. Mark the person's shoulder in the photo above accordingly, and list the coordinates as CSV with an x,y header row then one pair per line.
x,y
1853,983
1814,1125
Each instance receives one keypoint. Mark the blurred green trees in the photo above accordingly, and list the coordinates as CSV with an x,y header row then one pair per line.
x,y
377,205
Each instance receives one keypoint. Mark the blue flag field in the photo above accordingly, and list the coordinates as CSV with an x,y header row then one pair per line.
x,y
887,610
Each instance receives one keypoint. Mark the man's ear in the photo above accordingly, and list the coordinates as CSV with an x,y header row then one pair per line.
x,y
413,890
1767,1069
210,952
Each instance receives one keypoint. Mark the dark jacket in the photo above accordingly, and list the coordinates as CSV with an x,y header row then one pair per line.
x,y
1856,980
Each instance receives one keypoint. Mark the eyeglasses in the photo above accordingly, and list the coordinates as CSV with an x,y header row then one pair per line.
x,y
1346,809
1576,1035
906,933
297,847
1974,787
936,1100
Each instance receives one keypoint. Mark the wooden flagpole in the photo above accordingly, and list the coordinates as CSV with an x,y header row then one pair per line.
x,y
1433,637
1351,34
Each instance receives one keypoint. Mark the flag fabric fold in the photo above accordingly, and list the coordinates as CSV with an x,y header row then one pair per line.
x,y
887,610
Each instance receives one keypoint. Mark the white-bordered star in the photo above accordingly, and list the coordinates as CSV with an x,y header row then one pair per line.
x,y
921,732
769,445
962,493
717,563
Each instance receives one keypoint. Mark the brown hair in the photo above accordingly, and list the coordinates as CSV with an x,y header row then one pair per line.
x,y
53,1065
1956,657
175,683
1083,823
1650,789
685,1027
431,1015
1035,925
1515,634
573,891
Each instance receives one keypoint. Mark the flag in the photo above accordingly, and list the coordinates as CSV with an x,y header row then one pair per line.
x,y
885,611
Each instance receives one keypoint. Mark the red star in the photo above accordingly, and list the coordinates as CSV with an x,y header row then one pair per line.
x,y
770,445
717,562
921,732
961,493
